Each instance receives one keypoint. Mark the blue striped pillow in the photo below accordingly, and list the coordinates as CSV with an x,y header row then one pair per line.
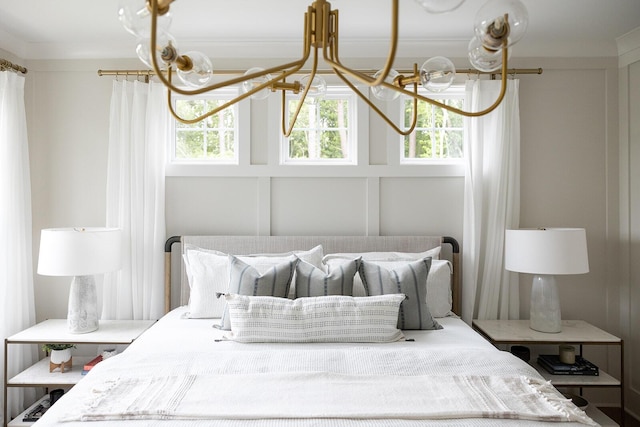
x,y
246,280
315,282
409,279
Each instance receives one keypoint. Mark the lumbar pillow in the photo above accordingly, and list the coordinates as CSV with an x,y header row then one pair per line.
x,y
313,282
333,318
244,279
409,279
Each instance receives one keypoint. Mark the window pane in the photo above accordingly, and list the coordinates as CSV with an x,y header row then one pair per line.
x,y
438,134
212,139
321,131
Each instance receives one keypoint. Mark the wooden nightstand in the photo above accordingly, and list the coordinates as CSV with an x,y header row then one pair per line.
x,y
114,332
574,332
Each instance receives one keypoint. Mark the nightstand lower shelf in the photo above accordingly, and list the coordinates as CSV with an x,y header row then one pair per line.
x,y
602,380
18,421
38,375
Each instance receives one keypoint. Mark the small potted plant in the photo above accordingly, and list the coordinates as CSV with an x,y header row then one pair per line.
x,y
59,356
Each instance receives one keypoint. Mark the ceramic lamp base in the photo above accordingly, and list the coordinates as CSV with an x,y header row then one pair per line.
x,y
544,315
82,316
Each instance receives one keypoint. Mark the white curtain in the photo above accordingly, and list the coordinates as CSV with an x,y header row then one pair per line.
x,y
491,202
138,134
17,306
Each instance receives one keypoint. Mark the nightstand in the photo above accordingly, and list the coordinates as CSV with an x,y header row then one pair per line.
x,y
117,332
575,332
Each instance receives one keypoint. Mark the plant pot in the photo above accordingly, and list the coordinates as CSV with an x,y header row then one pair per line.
x,y
60,359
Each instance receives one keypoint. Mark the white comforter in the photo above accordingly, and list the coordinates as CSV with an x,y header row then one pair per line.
x,y
416,384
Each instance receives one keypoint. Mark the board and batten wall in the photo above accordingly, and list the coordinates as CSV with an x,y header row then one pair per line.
x,y
569,117
629,85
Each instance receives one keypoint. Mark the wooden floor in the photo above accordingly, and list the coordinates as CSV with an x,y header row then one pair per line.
x,y
614,414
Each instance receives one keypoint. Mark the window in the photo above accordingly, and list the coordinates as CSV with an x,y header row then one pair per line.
x,y
213,140
325,129
439,133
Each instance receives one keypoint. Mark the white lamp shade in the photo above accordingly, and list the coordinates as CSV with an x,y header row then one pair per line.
x,y
79,251
547,251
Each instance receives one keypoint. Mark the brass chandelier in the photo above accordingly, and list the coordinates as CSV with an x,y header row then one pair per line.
x,y
498,25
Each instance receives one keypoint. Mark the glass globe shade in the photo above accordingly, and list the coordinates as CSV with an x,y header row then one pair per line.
x,y
439,6
143,47
250,84
201,72
136,18
437,74
492,13
484,59
317,87
384,93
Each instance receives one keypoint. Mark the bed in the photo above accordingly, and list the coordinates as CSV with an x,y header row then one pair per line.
x,y
243,348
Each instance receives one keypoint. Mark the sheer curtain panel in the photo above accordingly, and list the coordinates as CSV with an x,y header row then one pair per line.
x,y
17,306
139,128
491,201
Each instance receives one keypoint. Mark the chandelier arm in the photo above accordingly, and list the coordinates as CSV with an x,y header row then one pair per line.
x,y
286,132
382,115
333,58
286,69
503,90
208,113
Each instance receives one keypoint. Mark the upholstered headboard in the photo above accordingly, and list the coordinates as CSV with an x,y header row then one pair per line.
x,y
243,245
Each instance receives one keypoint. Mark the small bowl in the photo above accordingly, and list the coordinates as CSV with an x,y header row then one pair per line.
x,y
579,401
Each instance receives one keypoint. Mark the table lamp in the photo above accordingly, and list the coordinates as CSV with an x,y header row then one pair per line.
x,y
80,252
546,252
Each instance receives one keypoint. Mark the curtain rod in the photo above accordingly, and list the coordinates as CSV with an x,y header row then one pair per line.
x,y
6,65
147,73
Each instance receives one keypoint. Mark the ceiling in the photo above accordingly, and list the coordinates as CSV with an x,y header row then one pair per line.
x,y
75,29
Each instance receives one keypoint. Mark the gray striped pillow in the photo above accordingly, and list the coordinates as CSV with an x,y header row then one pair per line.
x,y
314,282
333,318
409,279
244,279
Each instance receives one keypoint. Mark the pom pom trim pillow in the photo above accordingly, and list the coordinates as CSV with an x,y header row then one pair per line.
x,y
409,279
333,318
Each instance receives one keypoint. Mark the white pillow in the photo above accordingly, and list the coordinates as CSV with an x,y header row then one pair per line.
x,y
333,318
208,274
384,256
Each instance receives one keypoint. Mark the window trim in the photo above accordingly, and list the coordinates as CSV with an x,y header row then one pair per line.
x,y
221,94
455,91
178,167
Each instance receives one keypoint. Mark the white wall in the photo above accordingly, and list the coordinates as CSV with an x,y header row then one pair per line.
x,y
569,178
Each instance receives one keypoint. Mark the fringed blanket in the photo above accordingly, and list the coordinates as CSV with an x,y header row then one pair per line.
x,y
355,384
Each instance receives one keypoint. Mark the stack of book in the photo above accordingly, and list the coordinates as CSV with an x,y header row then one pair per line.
x,y
91,364
552,364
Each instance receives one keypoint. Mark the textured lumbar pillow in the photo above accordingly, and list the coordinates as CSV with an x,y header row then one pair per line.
x,y
333,318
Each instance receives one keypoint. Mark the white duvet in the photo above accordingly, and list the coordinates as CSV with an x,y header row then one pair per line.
x,y
449,378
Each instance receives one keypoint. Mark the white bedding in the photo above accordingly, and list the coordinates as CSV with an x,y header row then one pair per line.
x,y
199,379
